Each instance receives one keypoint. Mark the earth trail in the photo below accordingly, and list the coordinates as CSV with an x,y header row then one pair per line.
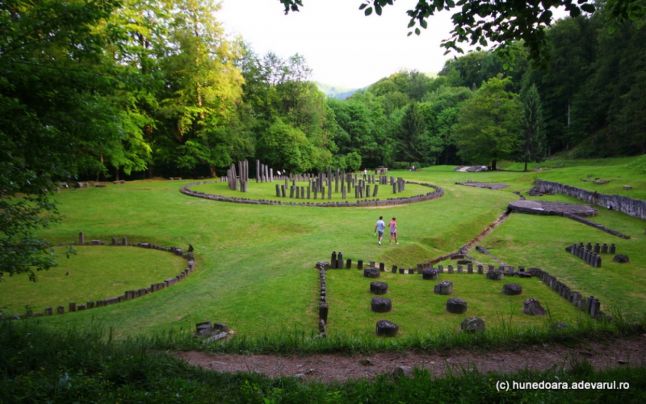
x,y
604,354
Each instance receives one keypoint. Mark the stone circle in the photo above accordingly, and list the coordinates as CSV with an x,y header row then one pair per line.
x,y
436,192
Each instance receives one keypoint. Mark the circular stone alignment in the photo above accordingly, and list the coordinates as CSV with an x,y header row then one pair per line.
x,y
436,193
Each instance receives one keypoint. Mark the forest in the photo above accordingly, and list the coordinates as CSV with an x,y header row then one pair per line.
x,y
142,88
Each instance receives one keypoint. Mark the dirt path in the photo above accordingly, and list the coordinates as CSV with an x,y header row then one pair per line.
x,y
602,355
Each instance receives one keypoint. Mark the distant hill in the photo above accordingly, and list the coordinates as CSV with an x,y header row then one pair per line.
x,y
336,92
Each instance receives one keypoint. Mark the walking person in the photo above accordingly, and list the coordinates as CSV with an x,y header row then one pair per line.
x,y
380,226
393,230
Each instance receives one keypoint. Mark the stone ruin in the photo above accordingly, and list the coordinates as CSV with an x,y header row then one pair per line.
x,y
443,288
378,288
486,185
385,328
531,306
456,305
472,325
212,332
128,294
550,208
629,206
238,180
471,169
324,185
512,289
621,259
589,255
381,304
309,196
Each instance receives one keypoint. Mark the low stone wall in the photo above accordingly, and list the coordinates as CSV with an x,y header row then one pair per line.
x,y
436,193
588,256
128,294
591,305
323,306
632,207
597,226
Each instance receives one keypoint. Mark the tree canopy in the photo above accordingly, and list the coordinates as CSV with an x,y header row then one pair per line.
x,y
488,126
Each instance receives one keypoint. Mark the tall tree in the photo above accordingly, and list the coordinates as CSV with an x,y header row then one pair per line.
x,y
488,127
533,143
203,85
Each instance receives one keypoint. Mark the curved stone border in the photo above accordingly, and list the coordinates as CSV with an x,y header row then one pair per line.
x,y
437,193
629,206
128,294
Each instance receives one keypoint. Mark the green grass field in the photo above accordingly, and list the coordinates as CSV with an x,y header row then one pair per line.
x,y
256,263
617,171
419,311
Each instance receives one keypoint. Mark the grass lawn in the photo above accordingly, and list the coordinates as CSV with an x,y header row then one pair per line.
x,y
582,173
255,263
91,274
417,310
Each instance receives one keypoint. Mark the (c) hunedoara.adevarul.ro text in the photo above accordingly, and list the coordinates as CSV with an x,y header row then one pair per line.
x,y
507,385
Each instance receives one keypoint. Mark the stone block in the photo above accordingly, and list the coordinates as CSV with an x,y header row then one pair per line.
x,y
443,288
371,273
473,325
385,328
381,304
456,305
512,289
533,307
378,288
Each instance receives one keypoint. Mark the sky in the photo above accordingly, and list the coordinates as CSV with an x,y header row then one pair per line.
x,y
343,47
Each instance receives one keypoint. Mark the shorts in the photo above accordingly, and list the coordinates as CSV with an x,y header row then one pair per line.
x,y
380,233
393,233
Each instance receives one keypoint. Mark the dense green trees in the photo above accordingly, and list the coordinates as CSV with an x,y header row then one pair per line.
x,y
59,106
488,126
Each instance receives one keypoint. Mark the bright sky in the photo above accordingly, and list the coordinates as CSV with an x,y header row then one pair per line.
x,y
343,47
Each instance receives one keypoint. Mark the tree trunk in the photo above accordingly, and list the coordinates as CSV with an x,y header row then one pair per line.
x,y
116,173
525,165
493,165
212,170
